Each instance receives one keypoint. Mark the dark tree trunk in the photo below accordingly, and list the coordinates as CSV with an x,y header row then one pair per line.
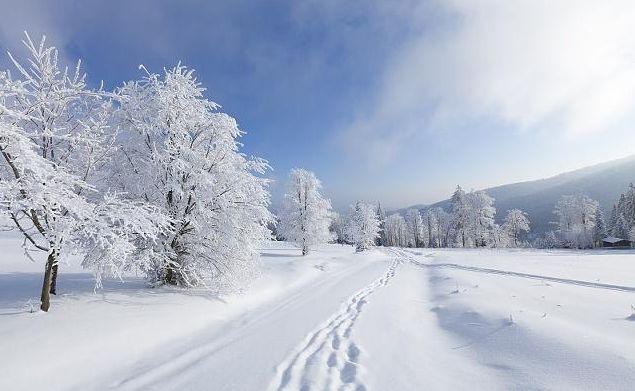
x,y
46,284
170,277
54,279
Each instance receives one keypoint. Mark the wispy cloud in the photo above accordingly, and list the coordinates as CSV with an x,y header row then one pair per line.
x,y
567,67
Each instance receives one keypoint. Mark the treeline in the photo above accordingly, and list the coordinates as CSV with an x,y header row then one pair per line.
x,y
469,222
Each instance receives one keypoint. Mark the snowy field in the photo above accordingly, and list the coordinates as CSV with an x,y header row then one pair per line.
x,y
385,319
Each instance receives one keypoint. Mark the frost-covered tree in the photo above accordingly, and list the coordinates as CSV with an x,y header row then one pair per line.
x,y
416,228
396,231
381,215
338,228
481,222
576,220
461,217
621,228
439,227
55,141
362,226
180,153
599,230
516,223
305,215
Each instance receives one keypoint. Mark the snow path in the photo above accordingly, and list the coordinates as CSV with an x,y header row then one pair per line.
x,y
329,358
254,341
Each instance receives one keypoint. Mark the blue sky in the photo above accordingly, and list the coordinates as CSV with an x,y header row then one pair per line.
x,y
388,101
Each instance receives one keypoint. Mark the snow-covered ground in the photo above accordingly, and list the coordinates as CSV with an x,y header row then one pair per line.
x,y
386,319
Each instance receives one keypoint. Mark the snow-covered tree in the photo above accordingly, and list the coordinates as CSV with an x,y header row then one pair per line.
x,y
338,228
362,226
306,215
599,230
381,215
55,141
481,222
396,231
180,153
576,220
416,228
438,227
461,217
623,214
516,223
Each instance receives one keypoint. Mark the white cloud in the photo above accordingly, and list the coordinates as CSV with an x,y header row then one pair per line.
x,y
560,66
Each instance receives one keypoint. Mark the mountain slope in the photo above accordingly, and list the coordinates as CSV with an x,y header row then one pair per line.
x,y
603,182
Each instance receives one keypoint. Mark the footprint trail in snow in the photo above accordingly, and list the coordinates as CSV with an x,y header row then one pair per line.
x,y
329,358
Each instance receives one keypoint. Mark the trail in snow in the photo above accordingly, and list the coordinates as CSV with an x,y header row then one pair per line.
x,y
587,284
329,358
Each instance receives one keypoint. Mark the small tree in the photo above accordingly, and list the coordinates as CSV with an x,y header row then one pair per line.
x,y
362,226
306,215
516,223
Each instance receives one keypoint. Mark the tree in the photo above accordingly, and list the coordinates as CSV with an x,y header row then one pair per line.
x,y
461,216
306,215
338,228
481,222
381,215
180,153
599,231
55,142
415,226
362,226
576,219
516,222
396,231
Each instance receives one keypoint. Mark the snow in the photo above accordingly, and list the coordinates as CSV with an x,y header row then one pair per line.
x,y
382,319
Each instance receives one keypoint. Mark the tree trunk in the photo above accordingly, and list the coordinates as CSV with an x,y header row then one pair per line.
x,y
170,277
305,250
54,279
46,285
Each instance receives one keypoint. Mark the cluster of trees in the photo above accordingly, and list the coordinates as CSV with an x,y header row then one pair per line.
x,y
469,223
306,217
621,222
581,223
148,176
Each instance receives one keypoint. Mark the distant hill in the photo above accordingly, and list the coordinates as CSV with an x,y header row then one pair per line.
x,y
603,182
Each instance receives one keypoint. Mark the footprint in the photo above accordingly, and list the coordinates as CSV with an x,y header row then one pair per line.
x,y
336,342
332,361
349,373
353,352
